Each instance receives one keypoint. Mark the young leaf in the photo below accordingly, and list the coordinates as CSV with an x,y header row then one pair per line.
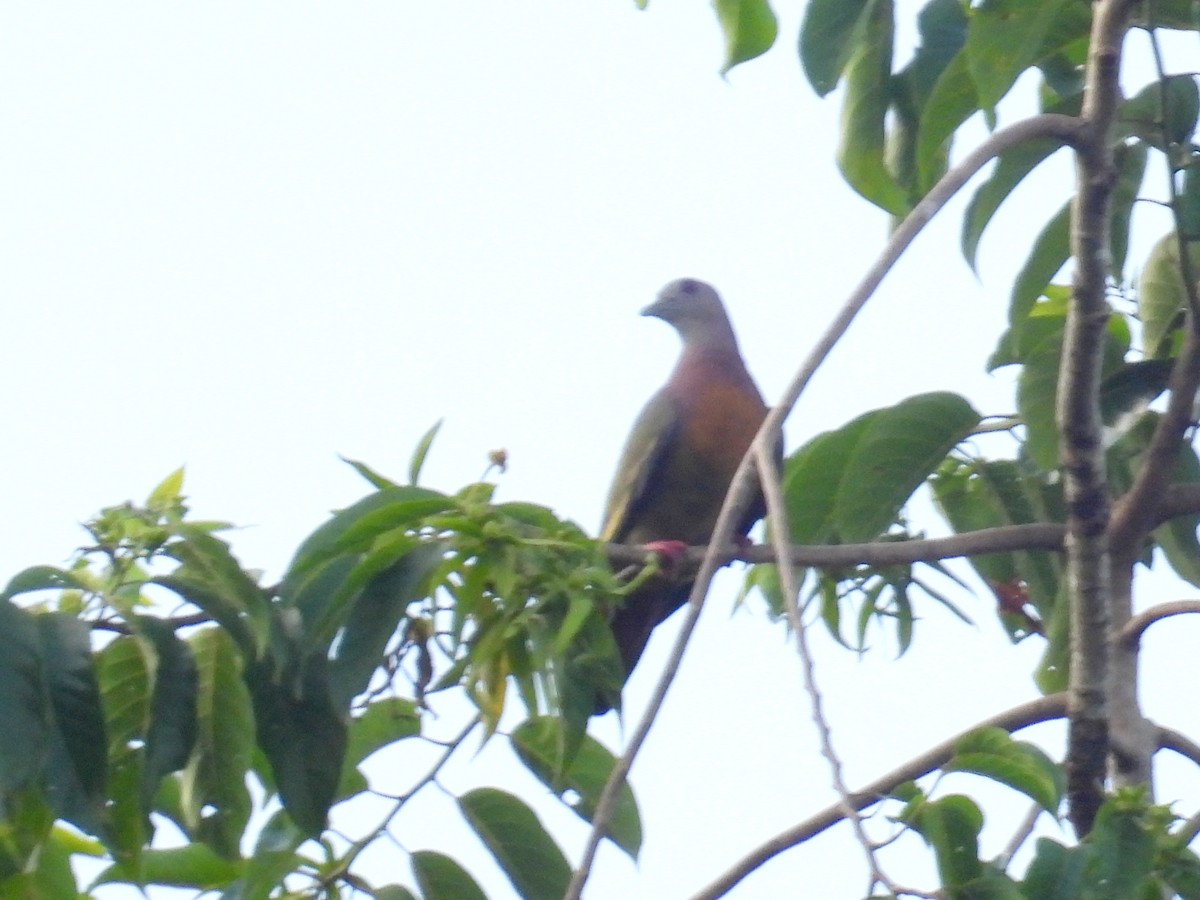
x,y
521,845
750,29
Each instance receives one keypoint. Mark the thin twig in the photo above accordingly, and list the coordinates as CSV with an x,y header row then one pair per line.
x,y
743,487
777,512
1043,709
1020,836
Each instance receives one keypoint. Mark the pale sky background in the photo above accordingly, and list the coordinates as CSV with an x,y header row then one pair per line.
x,y
249,237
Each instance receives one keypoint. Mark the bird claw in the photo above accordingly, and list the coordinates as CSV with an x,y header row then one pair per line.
x,y
670,553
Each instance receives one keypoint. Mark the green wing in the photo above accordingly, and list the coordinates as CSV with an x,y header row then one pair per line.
x,y
646,450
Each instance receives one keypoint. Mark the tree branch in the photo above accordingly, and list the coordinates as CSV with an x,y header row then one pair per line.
x,y
1081,446
1043,709
1131,634
743,487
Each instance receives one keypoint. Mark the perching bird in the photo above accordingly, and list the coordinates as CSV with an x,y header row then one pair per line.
x,y
681,455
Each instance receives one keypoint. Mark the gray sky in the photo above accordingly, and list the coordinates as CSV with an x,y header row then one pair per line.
x,y
250,237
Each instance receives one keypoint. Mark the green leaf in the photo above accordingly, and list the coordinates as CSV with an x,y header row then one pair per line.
x,y
214,797
1050,251
421,452
1004,38
951,102
210,578
1132,387
43,578
811,477
51,877
750,29
166,494
1055,873
1162,124
274,858
860,151
1121,853
124,670
190,866
539,746
1161,294
354,529
26,735
992,753
525,851
77,762
898,450
302,735
827,37
171,732
377,481
1187,209
1130,160
1010,170
441,878
951,827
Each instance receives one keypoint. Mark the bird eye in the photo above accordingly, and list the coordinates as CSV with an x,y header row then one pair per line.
x,y
689,286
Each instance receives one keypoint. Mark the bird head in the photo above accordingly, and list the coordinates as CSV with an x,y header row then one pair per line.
x,y
694,309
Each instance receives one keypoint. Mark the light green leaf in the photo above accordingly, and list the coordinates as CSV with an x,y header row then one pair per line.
x,y
190,866
1161,294
1051,249
750,29
421,452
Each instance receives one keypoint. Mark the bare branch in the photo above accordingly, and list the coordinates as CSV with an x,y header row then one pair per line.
x,y
1043,709
773,493
1131,634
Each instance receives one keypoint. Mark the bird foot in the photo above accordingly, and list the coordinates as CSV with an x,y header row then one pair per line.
x,y
670,553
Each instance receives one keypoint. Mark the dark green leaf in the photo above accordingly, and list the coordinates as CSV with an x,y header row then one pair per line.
x,y
1187,210
1131,388
539,745
525,851
171,732
77,763
1121,855
25,736
750,29
302,734
827,37
441,878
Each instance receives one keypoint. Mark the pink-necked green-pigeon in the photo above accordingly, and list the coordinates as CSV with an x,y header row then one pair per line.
x,y
681,455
